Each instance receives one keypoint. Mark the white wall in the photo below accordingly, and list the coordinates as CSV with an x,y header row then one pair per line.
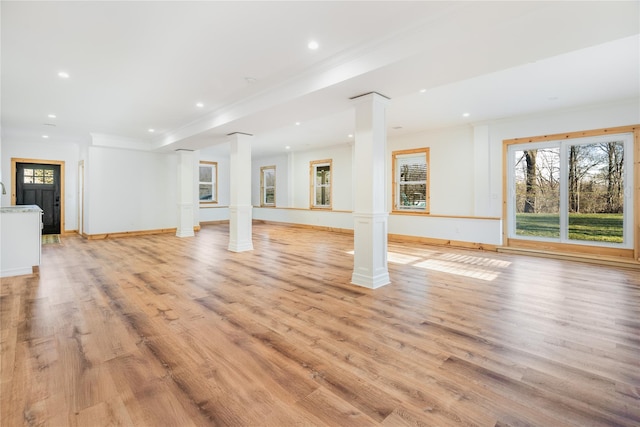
x,y
313,217
342,166
452,176
282,177
127,190
12,147
293,187
452,170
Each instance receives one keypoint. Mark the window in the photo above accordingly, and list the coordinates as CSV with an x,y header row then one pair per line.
x,y
411,180
208,182
577,191
38,176
268,186
320,171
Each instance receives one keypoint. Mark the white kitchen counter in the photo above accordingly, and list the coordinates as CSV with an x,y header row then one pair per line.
x,y
20,239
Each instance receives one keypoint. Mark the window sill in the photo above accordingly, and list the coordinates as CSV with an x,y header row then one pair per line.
x,y
410,212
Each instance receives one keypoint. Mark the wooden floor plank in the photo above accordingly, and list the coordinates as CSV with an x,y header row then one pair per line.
x,y
158,330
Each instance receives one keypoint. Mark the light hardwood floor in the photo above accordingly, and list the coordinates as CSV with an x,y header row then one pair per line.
x,y
166,331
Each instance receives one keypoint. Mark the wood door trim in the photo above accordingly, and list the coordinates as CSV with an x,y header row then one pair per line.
x,y
634,174
16,160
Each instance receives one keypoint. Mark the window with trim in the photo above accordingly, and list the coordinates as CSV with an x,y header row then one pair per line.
x,y
268,186
411,180
320,171
208,182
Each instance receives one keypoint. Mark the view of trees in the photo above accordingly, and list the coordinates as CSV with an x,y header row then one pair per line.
x,y
595,179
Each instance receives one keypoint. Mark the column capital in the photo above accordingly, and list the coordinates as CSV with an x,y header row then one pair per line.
x,y
370,96
239,133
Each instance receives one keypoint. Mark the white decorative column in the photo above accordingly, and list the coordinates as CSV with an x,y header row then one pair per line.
x,y
370,215
240,209
185,193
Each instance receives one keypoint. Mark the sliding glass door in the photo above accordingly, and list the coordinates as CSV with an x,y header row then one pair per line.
x,y
576,191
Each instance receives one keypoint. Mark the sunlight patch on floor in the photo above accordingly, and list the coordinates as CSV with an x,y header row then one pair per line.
x,y
476,267
398,258
458,269
474,260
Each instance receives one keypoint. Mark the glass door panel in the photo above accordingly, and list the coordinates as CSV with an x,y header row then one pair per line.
x,y
537,193
596,192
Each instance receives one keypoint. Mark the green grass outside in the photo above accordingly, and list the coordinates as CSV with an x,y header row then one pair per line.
x,y
589,227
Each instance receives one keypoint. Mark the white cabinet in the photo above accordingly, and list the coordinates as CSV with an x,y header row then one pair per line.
x,y
20,239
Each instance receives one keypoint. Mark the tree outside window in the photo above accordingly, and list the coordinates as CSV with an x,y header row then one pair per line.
x,y
571,190
411,180
320,171
208,182
268,186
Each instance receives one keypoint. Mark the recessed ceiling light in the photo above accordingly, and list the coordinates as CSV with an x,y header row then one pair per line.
x,y
297,123
45,136
313,45
396,127
199,105
63,75
350,135
152,130
51,116
465,114
423,90
288,147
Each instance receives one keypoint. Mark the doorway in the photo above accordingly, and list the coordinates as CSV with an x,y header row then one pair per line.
x,y
573,192
41,182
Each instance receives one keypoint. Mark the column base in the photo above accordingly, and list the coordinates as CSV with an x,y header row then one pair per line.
x,y
185,220
240,228
370,282
186,233
240,247
370,250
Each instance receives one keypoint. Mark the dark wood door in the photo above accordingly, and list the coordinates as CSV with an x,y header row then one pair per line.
x,y
39,184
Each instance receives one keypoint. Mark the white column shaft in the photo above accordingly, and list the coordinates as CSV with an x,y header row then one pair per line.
x,y
185,193
370,217
240,209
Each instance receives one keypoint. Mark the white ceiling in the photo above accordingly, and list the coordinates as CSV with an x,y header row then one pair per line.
x,y
140,65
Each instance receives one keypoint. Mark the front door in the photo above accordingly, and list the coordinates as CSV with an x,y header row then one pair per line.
x,y
39,184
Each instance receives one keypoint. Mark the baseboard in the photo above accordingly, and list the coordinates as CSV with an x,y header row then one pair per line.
x,y
128,234
401,238
121,234
220,221
307,226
